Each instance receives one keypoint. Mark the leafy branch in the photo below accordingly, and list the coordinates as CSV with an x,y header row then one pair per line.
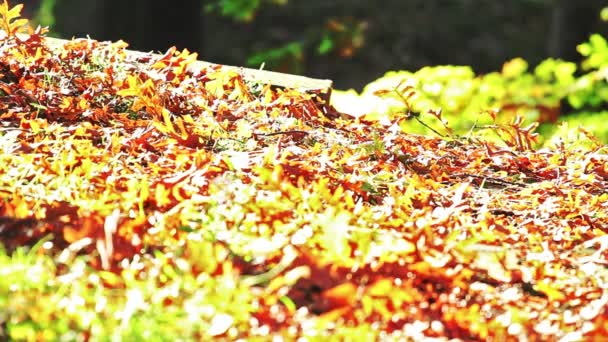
x,y
405,93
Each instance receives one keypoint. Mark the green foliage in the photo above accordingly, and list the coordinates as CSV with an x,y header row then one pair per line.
x,y
591,121
595,52
341,37
326,45
131,305
45,16
591,89
538,95
604,14
240,10
462,95
287,57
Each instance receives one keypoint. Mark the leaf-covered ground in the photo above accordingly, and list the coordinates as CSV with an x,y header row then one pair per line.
x,y
144,199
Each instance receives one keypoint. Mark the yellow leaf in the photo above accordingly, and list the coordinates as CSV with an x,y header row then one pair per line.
x,y
18,23
14,12
514,67
380,288
65,103
133,88
21,210
552,293
144,193
83,104
167,120
161,195
243,129
110,278
34,126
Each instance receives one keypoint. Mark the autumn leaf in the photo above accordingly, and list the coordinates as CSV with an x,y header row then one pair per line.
x,y
10,18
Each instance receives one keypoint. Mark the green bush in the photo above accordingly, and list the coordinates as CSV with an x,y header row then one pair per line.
x,y
543,94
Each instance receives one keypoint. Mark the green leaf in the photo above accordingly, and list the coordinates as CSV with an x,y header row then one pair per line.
x,y
514,67
289,304
275,56
604,14
240,10
326,45
368,187
45,15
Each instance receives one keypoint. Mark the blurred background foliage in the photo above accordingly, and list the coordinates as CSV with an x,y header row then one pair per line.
x,y
351,42
544,59
558,95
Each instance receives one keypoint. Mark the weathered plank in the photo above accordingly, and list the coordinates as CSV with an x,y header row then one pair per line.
x,y
319,86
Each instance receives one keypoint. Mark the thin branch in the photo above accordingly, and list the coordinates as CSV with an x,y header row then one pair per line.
x,y
429,127
282,132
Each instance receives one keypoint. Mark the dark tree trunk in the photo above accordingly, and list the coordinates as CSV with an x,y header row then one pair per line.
x,y
571,24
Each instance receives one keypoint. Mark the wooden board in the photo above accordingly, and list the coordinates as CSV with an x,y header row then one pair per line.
x,y
322,87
